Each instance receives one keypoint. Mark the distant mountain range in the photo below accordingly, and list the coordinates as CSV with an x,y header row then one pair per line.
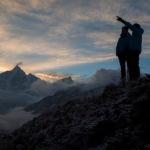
x,y
16,79
20,89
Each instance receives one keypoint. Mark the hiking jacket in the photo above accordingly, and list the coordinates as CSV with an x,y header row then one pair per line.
x,y
136,40
123,44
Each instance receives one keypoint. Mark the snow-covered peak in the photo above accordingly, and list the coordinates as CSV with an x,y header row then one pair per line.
x,y
17,68
17,72
16,79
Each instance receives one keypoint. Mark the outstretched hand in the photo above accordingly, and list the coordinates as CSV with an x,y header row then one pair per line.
x,y
119,18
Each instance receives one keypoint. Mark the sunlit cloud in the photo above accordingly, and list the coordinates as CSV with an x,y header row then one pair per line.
x,y
51,77
55,33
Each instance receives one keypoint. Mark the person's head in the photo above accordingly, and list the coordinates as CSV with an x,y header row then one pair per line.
x,y
124,29
137,25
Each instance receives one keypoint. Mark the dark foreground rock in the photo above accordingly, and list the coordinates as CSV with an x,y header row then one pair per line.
x,y
118,119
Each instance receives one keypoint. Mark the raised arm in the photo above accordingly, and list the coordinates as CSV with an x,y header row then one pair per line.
x,y
128,24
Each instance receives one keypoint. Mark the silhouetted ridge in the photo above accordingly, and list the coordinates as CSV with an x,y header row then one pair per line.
x,y
67,80
118,119
16,79
17,69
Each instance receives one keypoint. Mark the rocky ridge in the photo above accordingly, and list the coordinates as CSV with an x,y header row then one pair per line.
x,y
117,119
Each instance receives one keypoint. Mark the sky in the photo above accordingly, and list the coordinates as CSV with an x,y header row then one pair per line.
x,y
68,37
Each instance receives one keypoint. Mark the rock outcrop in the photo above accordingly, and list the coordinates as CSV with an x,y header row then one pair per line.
x,y
118,119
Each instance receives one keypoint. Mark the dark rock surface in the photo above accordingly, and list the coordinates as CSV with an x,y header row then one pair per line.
x,y
118,119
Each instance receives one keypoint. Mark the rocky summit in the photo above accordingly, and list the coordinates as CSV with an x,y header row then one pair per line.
x,y
117,119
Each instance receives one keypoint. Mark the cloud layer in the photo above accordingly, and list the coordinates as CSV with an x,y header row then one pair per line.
x,y
48,34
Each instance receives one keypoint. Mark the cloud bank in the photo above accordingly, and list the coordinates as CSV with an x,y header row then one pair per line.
x,y
55,33
14,119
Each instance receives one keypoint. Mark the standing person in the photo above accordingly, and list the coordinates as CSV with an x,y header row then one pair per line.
x,y
122,50
135,48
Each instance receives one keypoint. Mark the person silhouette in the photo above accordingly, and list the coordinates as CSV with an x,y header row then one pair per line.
x,y
122,50
134,49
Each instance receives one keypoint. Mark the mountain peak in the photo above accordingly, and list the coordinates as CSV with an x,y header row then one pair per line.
x,y
67,80
16,79
17,68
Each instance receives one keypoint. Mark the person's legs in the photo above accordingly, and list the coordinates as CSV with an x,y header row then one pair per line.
x,y
122,61
134,65
129,64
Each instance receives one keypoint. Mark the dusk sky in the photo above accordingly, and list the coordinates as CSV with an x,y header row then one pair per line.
x,y
74,37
